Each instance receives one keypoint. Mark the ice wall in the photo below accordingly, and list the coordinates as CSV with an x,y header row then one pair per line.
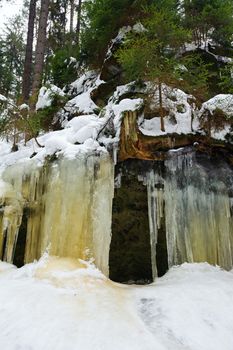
x,y
69,208
198,212
194,196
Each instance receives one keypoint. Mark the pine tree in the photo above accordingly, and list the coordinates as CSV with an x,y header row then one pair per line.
x,y
11,58
209,19
154,53
104,18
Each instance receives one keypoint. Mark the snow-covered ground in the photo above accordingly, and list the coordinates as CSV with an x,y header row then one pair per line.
x,y
64,305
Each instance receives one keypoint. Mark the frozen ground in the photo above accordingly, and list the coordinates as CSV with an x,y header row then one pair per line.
x,y
64,305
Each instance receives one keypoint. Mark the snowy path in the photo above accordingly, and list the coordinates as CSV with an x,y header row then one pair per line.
x,y
53,304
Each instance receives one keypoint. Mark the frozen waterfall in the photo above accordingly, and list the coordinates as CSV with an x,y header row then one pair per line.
x,y
67,206
194,195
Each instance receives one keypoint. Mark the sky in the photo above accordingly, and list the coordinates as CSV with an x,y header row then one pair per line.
x,y
8,10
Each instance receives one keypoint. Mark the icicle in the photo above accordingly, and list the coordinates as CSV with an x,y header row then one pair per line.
x,y
117,181
115,152
69,208
198,223
155,213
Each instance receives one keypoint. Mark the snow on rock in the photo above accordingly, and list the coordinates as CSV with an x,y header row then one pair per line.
x,y
81,89
81,104
117,40
82,130
131,88
179,116
3,98
125,105
46,96
78,308
84,82
78,135
84,127
137,28
221,134
115,112
79,122
222,102
23,107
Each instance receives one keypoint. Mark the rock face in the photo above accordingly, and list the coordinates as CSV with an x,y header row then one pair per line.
x,y
133,144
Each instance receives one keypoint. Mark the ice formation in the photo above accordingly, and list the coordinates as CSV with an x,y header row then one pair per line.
x,y
197,207
68,208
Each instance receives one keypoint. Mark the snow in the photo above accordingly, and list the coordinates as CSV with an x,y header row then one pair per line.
x,y
81,104
115,111
125,105
66,304
46,95
137,28
178,120
222,101
83,130
83,133
84,127
84,82
82,88
78,136
23,107
3,98
204,46
221,134
118,39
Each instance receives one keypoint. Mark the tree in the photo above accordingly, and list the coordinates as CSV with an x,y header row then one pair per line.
x,y
78,27
226,78
27,74
104,18
40,48
209,19
57,24
11,58
153,54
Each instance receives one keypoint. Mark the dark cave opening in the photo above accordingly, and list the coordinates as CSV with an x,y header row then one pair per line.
x,y
21,241
130,250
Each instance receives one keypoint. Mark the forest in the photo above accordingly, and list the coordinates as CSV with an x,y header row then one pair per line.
x,y
187,45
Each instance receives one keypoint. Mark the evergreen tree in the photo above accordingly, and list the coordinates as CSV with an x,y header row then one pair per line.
x,y
209,19
57,24
154,53
11,58
104,18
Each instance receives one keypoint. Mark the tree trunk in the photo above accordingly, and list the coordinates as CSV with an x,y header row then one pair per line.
x,y
27,74
161,107
79,20
71,16
40,48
